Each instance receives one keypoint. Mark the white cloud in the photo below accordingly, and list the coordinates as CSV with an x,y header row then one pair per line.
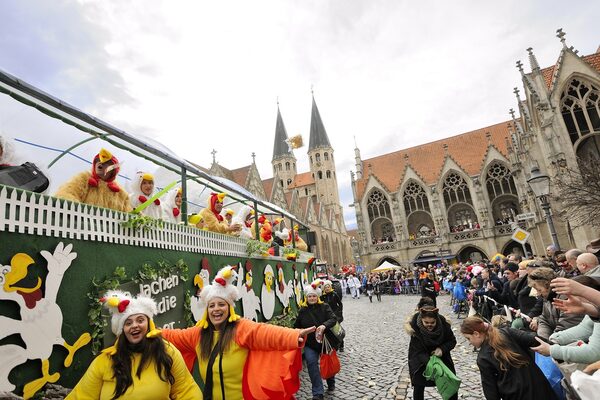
x,y
201,75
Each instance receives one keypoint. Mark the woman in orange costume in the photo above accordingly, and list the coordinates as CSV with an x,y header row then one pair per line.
x,y
211,215
231,350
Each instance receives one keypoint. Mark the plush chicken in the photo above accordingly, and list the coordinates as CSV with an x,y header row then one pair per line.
x,y
266,231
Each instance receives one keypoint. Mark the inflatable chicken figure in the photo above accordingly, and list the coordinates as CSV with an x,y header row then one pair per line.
x,y
284,290
250,301
267,296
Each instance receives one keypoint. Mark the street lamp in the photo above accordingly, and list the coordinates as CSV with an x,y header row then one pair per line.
x,y
540,185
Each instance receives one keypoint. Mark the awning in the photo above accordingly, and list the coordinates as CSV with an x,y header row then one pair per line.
x,y
436,258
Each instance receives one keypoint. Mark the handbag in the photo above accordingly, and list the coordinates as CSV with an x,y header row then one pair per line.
x,y
338,331
446,382
27,176
329,364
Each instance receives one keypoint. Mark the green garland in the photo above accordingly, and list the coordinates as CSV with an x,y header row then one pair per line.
x,y
146,272
142,222
96,321
256,247
285,319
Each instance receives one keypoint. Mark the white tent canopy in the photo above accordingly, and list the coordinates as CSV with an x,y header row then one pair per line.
x,y
385,266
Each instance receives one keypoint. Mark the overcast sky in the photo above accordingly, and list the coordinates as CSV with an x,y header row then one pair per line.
x,y
197,75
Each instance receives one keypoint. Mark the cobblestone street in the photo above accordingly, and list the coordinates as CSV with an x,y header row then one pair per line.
x,y
374,364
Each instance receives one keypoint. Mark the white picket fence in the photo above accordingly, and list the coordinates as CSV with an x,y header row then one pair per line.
x,y
26,212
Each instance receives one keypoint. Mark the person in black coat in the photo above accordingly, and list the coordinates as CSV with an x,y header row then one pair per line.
x,y
316,313
430,334
330,297
428,288
506,364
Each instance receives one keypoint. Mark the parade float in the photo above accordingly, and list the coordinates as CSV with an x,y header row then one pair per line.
x,y
59,256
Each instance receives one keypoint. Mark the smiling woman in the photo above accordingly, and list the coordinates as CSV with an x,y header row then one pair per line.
x,y
140,365
230,350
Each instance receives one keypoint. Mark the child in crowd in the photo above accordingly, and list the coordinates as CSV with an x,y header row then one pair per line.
x,y
142,188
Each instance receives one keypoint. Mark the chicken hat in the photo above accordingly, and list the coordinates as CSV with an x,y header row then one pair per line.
x,y
223,288
122,305
313,288
102,157
213,200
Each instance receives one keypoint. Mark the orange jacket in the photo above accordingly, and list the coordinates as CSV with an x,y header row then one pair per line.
x,y
273,362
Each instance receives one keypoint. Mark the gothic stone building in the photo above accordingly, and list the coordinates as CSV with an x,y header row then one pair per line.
x,y
311,196
447,199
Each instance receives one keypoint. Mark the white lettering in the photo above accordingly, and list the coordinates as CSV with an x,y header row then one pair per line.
x,y
170,325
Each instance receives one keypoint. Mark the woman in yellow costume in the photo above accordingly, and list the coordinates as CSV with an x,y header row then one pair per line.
x,y
213,220
140,365
239,358
98,187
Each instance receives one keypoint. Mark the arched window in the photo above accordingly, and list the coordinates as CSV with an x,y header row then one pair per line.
x,y
326,156
310,158
415,198
456,190
306,191
499,181
320,174
580,107
287,166
328,173
294,166
289,182
281,183
378,205
279,166
318,157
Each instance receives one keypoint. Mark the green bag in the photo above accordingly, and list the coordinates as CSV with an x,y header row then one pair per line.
x,y
446,382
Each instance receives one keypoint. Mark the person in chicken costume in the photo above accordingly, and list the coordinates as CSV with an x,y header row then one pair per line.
x,y
142,189
98,186
244,219
213,220
239,358
300,243
140,365
172,206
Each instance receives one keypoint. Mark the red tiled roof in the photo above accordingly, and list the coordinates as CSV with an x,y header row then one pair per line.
x,y
593,60
240,175
268,186
352,233
288,199
467,149
302,179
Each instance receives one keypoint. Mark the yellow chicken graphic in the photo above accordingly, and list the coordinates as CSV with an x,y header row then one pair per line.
x,y
267,296
40,326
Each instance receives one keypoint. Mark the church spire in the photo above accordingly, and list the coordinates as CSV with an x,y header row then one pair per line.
x,y
280,147
318,135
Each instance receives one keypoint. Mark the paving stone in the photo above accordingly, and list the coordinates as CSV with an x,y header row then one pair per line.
x,y
377,351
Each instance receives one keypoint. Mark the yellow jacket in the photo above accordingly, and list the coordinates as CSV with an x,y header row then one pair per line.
x,y
78,189
98,382
211,222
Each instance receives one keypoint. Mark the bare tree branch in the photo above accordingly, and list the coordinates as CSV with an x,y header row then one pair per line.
x,y
579,192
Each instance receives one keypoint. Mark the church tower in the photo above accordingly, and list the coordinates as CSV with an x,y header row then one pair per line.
x,y
284,161
322,163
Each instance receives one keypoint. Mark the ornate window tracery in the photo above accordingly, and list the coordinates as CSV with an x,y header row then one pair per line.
x,y
456,190
499,181
415,198
580,108
378,205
